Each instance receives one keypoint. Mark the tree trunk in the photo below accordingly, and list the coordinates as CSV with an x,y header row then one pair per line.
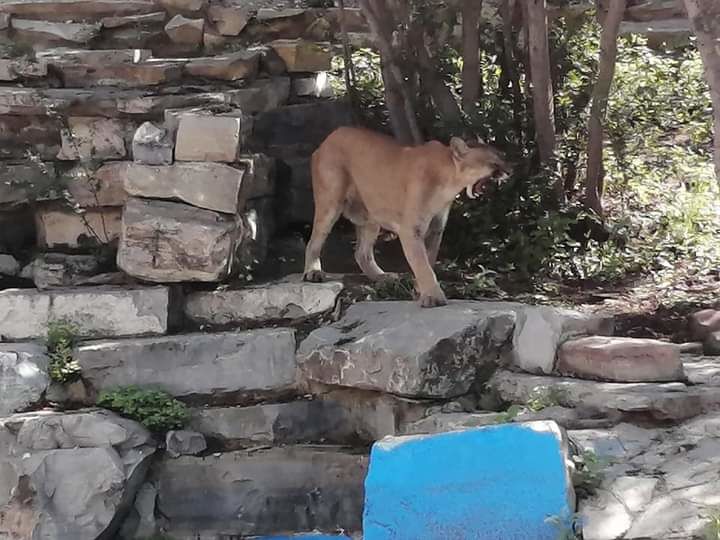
x,y
705,21
400,103
471,75
606,71
542,92
510,67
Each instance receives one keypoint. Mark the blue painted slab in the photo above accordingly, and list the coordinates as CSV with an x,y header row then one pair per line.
x,y
310,536
490,483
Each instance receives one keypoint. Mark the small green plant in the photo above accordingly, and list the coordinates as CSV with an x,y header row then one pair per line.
x,y
155,409
568,527
589,472
712,528
509,415
542,397
61,338
401,288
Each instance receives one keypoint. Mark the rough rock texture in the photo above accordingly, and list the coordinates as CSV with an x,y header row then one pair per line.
x,y
208,138
657,484
9,266
228,67
54,270
400,348
99,188
12,69
293,489
230,20
69,476
23,376
62,10
303,56
213,186
703,323
668,401
185,31
273,301
44,31
95,311
184,443
247,364
173,242
620,359
93,138
152,145
60,227
443,422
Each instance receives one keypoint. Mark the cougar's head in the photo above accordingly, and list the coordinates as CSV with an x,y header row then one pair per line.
x,y
477,166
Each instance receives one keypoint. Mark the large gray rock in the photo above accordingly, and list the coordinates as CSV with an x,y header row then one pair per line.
x,y
298,489
54,270
661,401
400,348
273,301
69,476
213,186
152,146
95,311
44,31
165,241
23,376
244,364
184,442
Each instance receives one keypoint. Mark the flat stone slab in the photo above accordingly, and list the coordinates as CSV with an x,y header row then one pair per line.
x,y
23,376
661,401
400,348
213,186
63,10
273,301
246,364
657,484
95,311
484,483
201,137
620,359
300,489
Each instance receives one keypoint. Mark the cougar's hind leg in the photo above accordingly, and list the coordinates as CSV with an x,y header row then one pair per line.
x,y
367,234
329,188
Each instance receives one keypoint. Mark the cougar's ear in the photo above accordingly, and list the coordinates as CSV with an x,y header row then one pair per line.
x,y
459,148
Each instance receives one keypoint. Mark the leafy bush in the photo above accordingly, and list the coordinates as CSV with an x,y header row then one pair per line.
x,y
60,341
158,411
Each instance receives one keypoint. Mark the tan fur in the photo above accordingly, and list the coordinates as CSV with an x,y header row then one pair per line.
x,y
379,184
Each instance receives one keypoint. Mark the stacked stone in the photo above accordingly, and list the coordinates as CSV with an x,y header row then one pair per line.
x,y
80,78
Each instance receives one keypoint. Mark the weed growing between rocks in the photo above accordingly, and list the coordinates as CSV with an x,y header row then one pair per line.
x,y
157,410
60,341
588,474
712,529
543,397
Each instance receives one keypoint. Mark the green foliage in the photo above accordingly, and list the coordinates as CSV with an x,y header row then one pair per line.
x,y
712,528
589,473
542,397
509,415
60,341
402,288
158,411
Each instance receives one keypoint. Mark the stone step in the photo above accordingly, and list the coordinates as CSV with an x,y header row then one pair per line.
x,y
263,492
63,10
620,359
400,348
288,299
262,95
659,401
94,311
243,366
336,416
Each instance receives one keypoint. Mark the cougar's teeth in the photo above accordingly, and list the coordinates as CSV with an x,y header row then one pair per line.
x,y
470,192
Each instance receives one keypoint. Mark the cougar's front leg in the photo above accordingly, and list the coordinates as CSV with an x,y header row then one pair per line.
x,y
412,240
434,235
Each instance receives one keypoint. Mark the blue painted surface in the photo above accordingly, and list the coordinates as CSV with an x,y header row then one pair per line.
x,y
492,483
310,536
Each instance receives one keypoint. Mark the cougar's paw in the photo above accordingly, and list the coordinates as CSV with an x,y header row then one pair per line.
x,y
314,276
432,300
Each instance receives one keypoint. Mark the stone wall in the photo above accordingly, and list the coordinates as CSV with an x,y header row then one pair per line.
x,y
177,131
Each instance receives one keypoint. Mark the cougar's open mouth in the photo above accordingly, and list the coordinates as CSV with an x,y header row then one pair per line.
x,y
479,188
